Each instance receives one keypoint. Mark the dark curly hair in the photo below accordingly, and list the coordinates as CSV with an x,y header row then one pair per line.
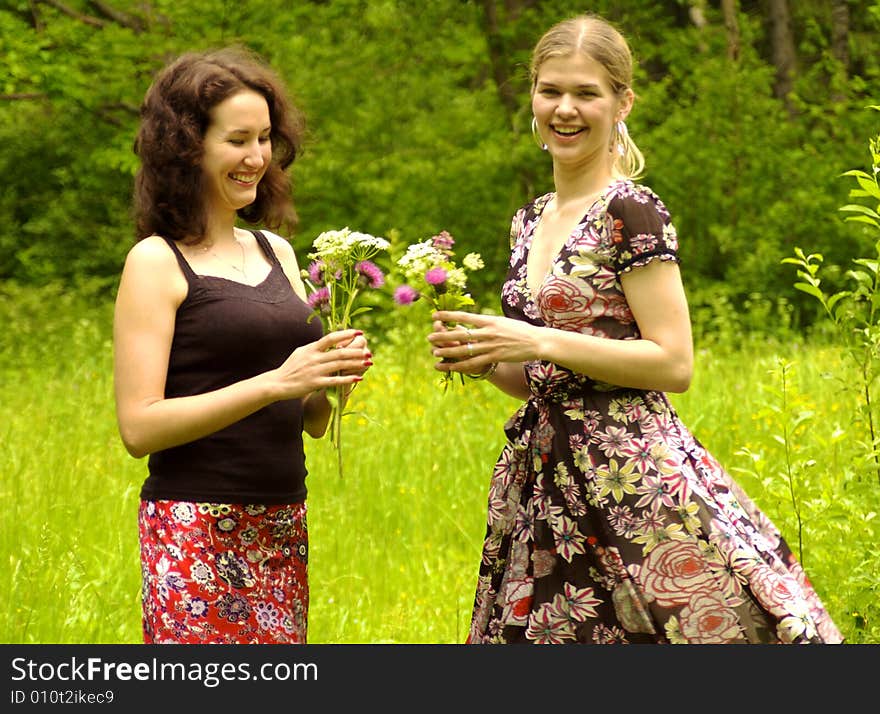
x,y
169,184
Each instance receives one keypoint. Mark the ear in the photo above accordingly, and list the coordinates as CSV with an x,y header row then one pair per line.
x,y
625,105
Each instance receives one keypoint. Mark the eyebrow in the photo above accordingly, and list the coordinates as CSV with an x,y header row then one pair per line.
x,y
247,131
544,83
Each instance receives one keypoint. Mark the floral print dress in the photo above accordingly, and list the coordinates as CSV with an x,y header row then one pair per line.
x,y
608,522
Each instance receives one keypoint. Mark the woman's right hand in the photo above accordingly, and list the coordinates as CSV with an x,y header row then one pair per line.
x,y
328,362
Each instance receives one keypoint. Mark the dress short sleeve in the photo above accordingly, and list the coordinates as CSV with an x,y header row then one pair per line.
x,y
641,229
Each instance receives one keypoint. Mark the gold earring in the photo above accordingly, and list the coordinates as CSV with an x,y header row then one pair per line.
x,y
541,144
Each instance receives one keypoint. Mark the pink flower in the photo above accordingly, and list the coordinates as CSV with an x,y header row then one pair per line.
x,y
435,277
405,295
316,272
369,274
443,241
319,300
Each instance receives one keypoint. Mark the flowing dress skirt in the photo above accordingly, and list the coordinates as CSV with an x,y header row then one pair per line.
x,y
223,573
610,523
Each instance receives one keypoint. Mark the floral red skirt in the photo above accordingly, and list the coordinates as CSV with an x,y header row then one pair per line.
x,y
224,573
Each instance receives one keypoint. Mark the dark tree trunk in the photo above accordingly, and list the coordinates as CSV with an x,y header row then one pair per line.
x,y
840,46
730,10
784,53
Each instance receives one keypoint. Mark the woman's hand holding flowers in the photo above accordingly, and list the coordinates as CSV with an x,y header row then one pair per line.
x,y
338,359
479,341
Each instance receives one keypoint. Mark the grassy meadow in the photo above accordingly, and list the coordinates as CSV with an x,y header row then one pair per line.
x,y
395,543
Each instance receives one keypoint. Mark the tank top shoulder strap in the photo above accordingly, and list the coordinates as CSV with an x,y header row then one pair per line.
x,y
188,272
266,246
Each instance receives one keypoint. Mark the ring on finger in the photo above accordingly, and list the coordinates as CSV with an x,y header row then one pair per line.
x,y
470,348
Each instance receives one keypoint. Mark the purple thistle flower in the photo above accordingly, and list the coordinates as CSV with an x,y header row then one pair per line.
x,y
316,272
443,241
435,277
369,274
405,295
319,300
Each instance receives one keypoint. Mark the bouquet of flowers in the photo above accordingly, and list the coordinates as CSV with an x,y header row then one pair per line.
x,y
341,269
429,271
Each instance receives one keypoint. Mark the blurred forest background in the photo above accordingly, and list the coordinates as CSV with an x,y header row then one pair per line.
x,y
748,113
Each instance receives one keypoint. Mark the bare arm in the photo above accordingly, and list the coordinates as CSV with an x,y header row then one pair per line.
x,y
150,290
661,359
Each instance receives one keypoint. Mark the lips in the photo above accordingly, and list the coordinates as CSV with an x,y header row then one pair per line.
x,y
245,179
567,130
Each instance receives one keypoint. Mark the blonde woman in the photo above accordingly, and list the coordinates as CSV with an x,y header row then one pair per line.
x,y
608,521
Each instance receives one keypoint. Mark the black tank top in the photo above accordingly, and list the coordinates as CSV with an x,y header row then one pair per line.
x,y
226,331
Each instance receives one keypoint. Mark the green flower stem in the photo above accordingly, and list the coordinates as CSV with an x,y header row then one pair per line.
x,y
340,318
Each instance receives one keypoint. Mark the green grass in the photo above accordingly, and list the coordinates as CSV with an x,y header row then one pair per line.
x,y
395,544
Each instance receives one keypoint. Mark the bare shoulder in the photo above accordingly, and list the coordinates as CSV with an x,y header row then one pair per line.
x,y
151,252
282,247
151,267
287,257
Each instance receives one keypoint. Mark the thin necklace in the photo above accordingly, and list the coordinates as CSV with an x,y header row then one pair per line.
x,y
207,249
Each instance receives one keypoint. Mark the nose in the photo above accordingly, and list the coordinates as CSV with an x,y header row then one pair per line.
x,y
565,106
254,156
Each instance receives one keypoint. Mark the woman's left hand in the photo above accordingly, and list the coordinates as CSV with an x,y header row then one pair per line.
x,y
479,340
360,341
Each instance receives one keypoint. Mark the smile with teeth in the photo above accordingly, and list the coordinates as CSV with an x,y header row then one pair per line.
x,y
568,130
247,179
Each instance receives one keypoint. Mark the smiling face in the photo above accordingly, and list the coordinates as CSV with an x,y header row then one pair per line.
x,y
237,150
576,109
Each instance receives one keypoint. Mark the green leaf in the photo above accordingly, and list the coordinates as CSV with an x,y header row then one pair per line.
x,y
869,263
863,219
860,209
811,290
870,186
857,173
837,297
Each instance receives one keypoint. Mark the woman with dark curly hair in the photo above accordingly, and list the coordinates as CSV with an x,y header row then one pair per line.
x,y
608,521
218,368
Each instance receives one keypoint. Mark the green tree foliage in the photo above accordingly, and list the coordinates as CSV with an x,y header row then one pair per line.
x,y
418,118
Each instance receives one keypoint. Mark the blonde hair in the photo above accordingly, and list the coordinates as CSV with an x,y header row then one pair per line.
x,y
600,41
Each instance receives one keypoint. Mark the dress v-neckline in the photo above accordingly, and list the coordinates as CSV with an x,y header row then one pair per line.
x,y
534,294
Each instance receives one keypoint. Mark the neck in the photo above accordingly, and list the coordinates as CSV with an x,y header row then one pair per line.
x,y
220,231
576,183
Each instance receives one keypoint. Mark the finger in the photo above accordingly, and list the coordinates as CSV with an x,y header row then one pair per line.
x,y
342,364
467,351
468,318
341,380
358,341
444,339
337,338
360,369
451,365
